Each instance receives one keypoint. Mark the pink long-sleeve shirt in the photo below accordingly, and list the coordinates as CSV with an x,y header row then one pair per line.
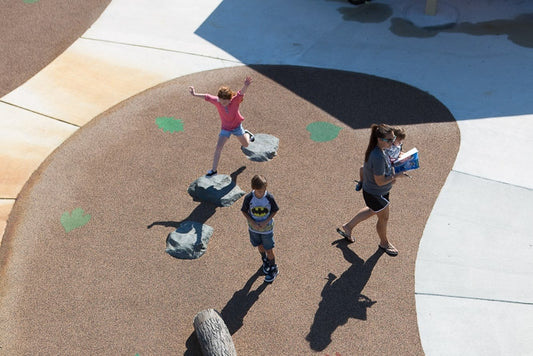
x,y
230,116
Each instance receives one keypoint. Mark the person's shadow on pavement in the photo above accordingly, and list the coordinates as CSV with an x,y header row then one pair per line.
x,y
203,211
241,302
200,214
342,298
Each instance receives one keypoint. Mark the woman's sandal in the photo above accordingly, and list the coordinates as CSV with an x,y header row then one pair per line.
x,y
389,250
349,239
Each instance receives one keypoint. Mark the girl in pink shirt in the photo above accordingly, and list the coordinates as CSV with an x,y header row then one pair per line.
x,y
227,104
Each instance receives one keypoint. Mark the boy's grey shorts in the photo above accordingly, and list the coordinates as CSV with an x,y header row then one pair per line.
x,y
267,240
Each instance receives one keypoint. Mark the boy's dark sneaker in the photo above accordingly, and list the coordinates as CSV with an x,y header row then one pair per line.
x,y
266,266
252,137
272,273
210,173
358,186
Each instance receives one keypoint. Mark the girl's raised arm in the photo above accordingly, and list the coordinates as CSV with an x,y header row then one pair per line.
x,y
247,83
193,93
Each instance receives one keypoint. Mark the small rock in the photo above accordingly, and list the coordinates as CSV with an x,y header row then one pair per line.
x,y
189,241
219,189
264,148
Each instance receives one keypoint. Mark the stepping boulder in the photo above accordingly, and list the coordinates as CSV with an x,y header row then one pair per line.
x,y
189,241
219,189
264,148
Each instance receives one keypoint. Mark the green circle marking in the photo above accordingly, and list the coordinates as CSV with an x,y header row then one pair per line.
x,y
169,124
71,221
322,131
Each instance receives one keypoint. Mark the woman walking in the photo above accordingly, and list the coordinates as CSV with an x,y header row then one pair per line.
x,y
378,178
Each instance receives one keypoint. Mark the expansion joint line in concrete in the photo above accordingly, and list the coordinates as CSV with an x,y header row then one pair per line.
x,y
39,113
490,180
157,49
472,298
8,199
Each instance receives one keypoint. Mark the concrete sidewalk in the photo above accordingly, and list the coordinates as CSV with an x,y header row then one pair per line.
x,y
475,262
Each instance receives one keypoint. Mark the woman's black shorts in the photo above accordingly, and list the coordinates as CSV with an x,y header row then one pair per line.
x,y
376,203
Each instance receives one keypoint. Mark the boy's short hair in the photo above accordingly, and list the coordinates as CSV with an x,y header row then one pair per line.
x,y
399,133
259,182
225,93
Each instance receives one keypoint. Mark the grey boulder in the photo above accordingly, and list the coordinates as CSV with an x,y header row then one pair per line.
x,y
189,241
264,148
219,189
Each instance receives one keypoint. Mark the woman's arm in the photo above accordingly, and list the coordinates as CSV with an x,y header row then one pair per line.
x,y
382,180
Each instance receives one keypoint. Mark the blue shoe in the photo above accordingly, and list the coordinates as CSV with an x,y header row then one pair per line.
x,y
210,173
358,186
272,273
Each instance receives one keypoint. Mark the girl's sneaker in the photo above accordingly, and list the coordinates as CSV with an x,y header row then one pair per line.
x,y
210,173
252,137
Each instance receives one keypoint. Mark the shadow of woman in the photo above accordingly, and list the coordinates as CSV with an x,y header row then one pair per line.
x,y
342,298
234,312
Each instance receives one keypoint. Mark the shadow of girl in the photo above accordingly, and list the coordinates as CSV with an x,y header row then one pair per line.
x,y
203,211
342,298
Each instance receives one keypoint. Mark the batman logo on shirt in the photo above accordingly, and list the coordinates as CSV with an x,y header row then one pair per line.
x,y
260,211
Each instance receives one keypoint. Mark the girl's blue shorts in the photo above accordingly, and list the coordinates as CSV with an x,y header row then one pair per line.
x,y
238,131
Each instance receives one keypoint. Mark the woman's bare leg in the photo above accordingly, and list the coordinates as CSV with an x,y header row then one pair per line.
x,y
362,215
381,226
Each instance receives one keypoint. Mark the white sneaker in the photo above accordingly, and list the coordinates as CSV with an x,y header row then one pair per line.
x,y
252,137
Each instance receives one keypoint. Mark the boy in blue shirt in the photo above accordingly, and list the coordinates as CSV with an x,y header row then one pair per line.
x,y
259,208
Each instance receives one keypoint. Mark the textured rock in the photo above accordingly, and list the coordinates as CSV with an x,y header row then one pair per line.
x,y
189,241
264,148
219,189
